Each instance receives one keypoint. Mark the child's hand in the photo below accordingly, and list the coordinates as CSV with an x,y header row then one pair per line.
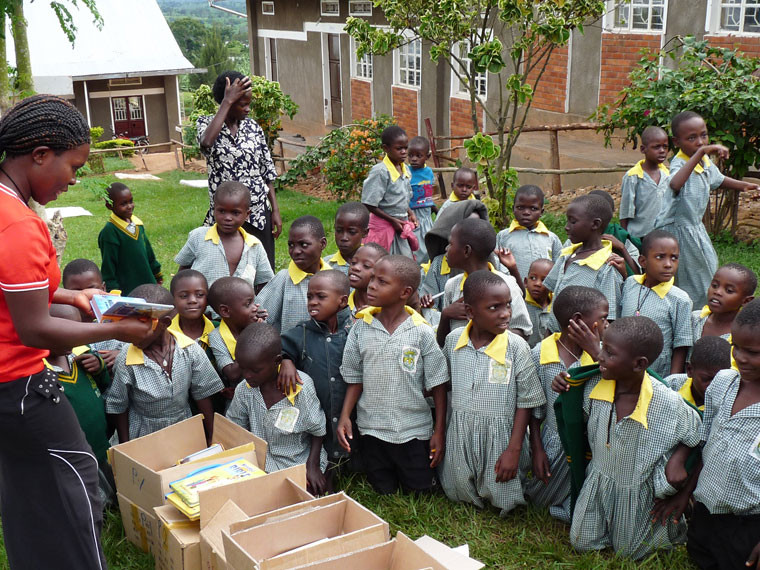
x,y
670,508
560,383
506,257
345,435
754,557
618,263
580,333
261,314
437,448
717,149
617,245
506,465
288,378
89,362
398,225
109,357
540,464
675,472
413,219
316,482
456,311
426,301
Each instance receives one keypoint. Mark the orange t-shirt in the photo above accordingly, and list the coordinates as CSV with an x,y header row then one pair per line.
x,y
27,263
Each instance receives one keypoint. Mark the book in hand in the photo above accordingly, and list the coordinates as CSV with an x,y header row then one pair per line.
x,y
110,308
188,487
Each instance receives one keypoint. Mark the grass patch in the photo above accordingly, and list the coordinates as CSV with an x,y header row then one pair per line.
x,y
526,538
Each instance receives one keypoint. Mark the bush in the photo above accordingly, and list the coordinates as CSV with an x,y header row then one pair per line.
x,y
96,133
344,155
203,104
126,146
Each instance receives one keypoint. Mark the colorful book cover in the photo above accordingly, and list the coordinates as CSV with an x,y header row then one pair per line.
x,y
212,476
109,308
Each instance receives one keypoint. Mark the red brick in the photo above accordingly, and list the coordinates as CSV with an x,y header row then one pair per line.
x,y
361,99
405,110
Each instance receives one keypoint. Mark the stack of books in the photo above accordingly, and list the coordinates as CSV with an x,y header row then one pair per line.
x,y
184,495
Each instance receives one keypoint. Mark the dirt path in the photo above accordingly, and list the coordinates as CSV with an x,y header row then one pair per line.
x,y
158,162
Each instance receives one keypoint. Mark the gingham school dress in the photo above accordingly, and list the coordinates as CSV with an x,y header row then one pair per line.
x,y
641,197
681,215
627,467
555,494
528,245
487,386
666,305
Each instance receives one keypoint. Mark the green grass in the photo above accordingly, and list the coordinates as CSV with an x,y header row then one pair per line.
x,y
526,538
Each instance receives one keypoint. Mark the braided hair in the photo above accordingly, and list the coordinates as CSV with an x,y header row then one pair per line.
x,y
42,120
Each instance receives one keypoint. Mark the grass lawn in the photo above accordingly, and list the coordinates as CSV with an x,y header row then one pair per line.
x,y
527,538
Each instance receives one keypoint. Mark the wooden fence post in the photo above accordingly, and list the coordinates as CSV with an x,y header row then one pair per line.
x,y
436,161
554,151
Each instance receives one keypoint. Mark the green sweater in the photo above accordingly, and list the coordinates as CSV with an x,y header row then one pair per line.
x,y
127,260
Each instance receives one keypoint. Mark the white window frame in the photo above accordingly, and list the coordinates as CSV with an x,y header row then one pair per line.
x,y
267,8
458,89
714,13
324,3
354,12
611,24
367,62
397,70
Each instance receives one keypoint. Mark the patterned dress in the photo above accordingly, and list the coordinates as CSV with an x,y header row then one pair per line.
x,y
681,215
487,386
640,198
528,245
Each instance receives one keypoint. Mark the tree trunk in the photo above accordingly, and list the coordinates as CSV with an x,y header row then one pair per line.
x,y
5,85
20,41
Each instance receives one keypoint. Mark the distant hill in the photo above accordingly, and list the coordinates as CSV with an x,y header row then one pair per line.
x,y
174,9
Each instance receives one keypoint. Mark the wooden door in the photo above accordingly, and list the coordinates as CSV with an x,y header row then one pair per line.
x,y
333,57
273,59
128,116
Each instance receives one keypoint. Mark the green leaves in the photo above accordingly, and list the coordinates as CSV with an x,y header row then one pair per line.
x,y
481,149
487,57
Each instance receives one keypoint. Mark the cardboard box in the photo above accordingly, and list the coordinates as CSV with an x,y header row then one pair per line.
x,y
178,544
239,501
297,538
448,558
144,467
140,526
401,553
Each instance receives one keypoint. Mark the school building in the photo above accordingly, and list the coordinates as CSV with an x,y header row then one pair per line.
x,y
302,44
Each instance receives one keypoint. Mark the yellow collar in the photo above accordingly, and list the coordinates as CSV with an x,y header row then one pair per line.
x,y
291,396
338,258
540,227
137,356
661,289
122,224
550,352
213,235
705,312
208,326
531,301
426,266
367,313
445,269
455,198
596,259
638,170
297,274
686,394
699,168
351,301
491,268
605,390
229,339
496,349
393,171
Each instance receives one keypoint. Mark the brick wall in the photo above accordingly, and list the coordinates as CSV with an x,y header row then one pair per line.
x,y
620,52
550,95
361,99
750,45
405,109
460,119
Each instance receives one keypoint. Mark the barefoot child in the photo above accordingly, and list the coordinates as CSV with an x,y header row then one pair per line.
x,y
316,348
386,193
423,182
538,300
127,256
351,227
190,292
731,288
725,525
153,381
710,355
692,177
527,237
644,184
233,298
360,273
225,249
654,295
292,423
390,360
582,315
494,386
632,422
284,297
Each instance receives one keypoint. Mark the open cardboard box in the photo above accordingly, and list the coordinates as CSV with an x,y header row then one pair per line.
x,y
144,467
140,526
223,506
304,536
178,544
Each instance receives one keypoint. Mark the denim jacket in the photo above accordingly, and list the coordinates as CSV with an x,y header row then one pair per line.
x,y
319,353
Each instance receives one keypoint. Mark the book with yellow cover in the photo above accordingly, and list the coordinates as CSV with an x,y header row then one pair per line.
x,y
189,486
193,513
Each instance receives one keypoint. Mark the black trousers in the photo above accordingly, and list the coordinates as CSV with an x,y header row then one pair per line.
x,y
51,512
265,236
390,465
721,541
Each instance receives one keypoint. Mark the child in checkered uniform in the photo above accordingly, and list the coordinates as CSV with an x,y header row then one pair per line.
x,y
391,359
494,387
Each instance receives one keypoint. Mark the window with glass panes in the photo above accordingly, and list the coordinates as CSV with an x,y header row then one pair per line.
x,y
363,66
481,81
741,16
410,64
640,15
